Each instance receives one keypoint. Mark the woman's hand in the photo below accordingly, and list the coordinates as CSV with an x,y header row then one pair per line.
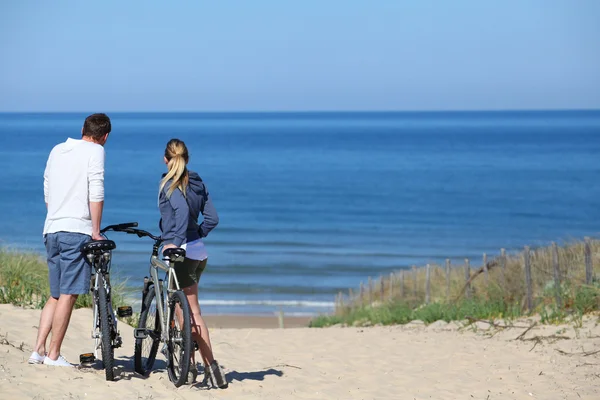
x,y
169,246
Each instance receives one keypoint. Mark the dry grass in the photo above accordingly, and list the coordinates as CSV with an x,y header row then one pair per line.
x,y
24,282
504,282
23,279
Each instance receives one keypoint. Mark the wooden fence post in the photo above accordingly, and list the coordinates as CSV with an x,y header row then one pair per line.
x,y
370,291
528,280
362,294
351,299
382,290
503,266
402,284
556,275
485,269
414,269
588,261
447,279
392,276
427,284
467,278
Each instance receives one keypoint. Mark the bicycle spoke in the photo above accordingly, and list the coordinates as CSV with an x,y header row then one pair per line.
x,y
179,345
150,325
146,349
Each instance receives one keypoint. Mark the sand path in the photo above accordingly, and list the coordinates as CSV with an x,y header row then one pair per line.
x,y
410,362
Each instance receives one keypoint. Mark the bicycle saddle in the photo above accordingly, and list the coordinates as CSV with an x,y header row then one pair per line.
x,y
174,253
97,246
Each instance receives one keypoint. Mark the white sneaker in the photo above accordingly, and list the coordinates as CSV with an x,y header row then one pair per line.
x,y
36,358
59,362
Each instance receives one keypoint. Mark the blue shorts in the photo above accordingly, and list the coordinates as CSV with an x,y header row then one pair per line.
x,y
68,271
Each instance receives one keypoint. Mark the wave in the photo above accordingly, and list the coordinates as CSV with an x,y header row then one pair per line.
x,y
267,243
283,303
136,301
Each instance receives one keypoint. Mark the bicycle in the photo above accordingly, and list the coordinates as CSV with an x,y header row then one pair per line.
x,y
104,324
173,326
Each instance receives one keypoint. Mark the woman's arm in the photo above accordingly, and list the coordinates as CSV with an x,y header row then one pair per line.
x,y
211,218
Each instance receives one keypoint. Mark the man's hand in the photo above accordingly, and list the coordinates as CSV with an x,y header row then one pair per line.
x,y
97,236
169,246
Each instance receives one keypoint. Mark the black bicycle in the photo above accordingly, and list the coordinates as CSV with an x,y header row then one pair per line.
x,y
104,329
167,322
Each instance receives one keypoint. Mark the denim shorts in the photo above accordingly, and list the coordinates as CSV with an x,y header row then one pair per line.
x,y
68,271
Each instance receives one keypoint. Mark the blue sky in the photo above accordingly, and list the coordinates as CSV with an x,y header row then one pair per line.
x,y
303,55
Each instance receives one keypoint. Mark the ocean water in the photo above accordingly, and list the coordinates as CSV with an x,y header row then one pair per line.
x,y
313,203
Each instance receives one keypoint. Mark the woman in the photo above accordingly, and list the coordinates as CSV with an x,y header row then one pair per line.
x,y
182,198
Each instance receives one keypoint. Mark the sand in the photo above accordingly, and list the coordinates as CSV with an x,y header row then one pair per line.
x,y
439,361
264,322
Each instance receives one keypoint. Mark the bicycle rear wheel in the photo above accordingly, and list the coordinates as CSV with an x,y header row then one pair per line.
x,y
179,346
108,352
145,349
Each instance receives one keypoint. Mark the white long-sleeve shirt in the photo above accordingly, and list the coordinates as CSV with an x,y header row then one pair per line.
x,y
74,176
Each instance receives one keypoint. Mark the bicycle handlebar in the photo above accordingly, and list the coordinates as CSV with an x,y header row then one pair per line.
x,y
130,228
141,233
119,227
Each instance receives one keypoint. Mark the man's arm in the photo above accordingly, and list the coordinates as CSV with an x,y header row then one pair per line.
x,y
96,214
46,189
96,191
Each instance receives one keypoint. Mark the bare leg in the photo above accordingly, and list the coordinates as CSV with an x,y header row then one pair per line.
x,y
45,325
60,323
200,330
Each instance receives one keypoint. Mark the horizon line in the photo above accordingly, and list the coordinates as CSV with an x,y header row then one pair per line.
x,y
347,111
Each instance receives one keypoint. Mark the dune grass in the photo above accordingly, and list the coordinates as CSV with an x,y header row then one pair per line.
x,y
400,297
398,312
24,282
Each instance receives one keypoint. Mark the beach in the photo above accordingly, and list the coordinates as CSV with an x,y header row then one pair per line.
x,y
375,200
414,361
311,204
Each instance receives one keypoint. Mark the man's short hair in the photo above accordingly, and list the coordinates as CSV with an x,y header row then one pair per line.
x,y
96,126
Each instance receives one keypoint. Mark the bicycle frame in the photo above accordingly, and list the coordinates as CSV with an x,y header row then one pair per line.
x,y
164,311
101,267
172,285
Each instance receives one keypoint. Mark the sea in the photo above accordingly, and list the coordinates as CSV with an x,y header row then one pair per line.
x,y
314,203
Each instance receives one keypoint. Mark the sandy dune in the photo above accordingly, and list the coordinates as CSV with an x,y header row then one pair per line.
x,y
411,362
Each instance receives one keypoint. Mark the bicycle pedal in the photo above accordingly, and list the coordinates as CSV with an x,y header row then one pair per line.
x,y
87,358
124,311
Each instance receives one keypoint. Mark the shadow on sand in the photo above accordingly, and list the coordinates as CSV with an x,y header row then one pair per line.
x,y
125,368
252,376
242,376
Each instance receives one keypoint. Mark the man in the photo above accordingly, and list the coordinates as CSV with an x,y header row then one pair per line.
x,y
74,194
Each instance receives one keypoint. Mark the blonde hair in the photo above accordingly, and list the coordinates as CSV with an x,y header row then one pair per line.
x,y
177,157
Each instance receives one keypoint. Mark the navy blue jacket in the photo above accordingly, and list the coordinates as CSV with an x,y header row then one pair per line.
x,y
179,215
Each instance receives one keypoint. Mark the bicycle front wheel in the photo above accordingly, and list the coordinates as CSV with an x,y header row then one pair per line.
x,y
106,338
179,346
146,349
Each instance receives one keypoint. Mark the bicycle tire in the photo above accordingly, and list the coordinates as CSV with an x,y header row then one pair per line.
x,y
108,352
144,363
179,346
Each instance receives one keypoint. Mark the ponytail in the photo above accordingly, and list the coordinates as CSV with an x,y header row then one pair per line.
x,y
176,154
